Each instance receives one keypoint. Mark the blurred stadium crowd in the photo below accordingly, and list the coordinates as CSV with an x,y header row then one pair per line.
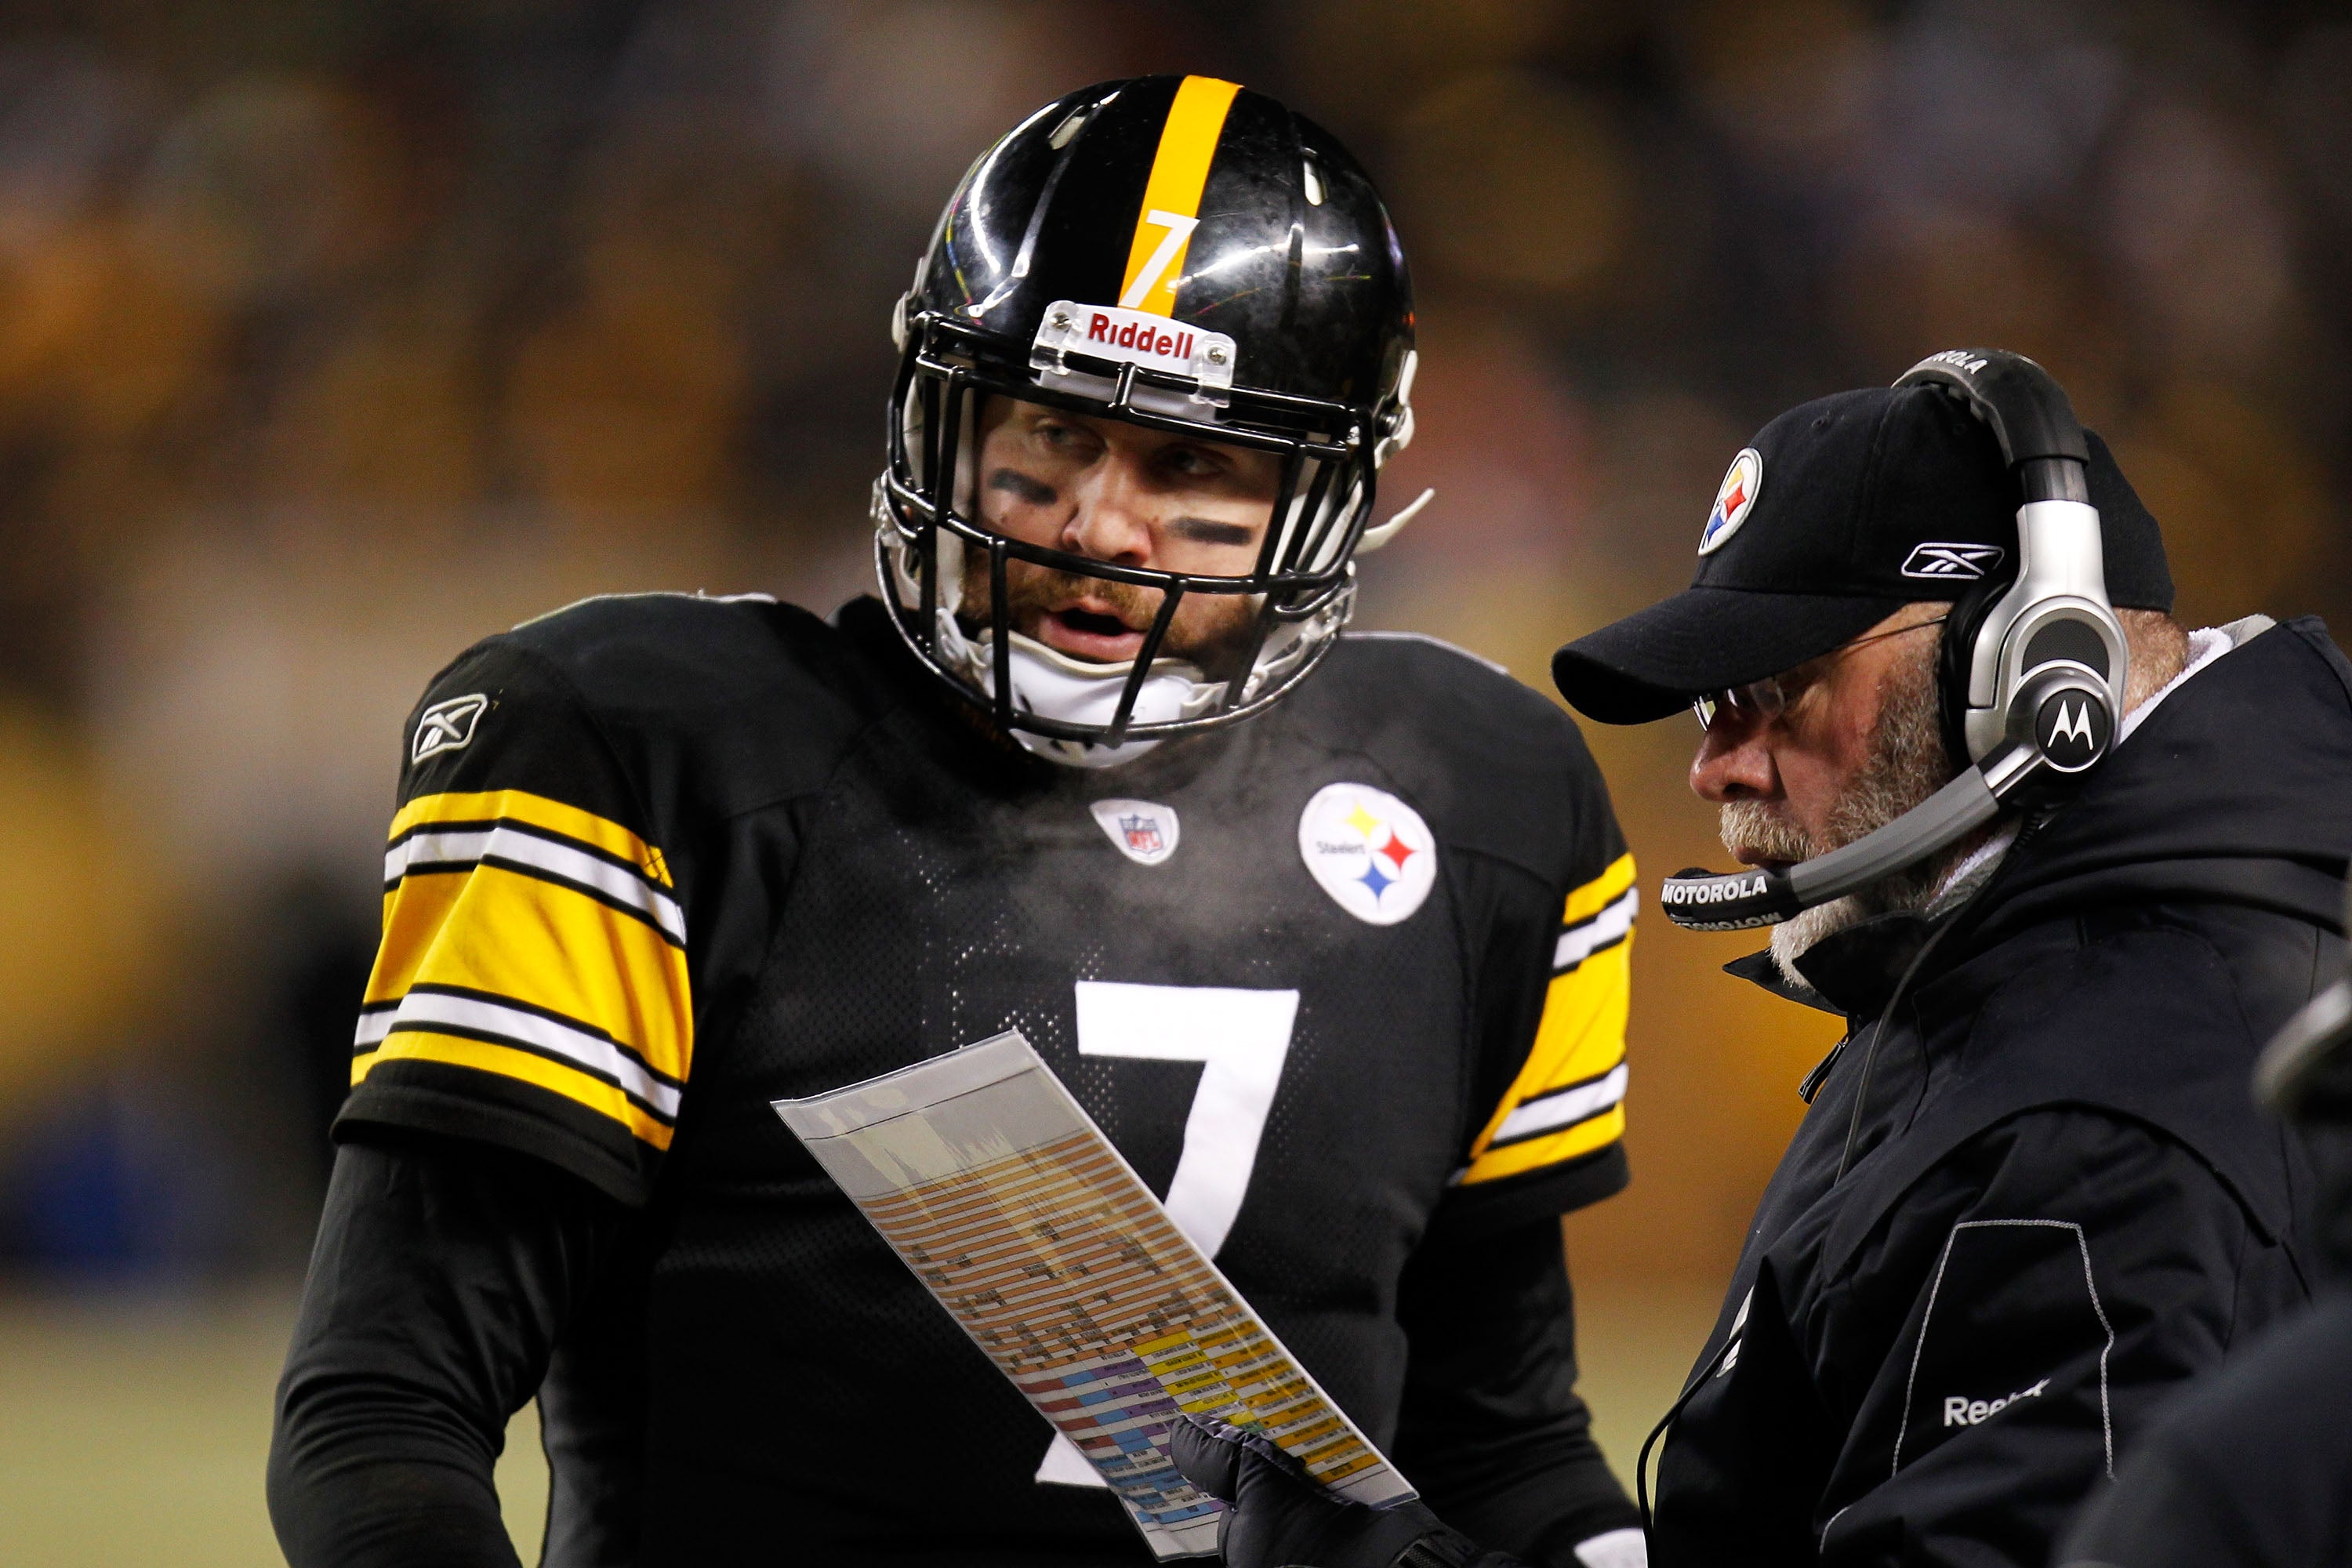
x,y
335,335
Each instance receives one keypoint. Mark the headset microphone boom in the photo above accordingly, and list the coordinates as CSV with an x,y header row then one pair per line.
x,y
2034,664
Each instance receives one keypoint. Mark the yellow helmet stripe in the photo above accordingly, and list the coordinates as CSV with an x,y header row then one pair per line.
x,y
1172,198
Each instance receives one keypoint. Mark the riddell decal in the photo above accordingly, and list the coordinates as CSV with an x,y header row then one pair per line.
x,y
1108,333
1370,851
1143,336
1733,500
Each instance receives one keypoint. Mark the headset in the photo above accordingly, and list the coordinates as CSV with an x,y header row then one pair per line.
x,y
2034,662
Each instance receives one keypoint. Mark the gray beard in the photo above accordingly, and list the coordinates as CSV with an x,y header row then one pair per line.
x,y
1906,764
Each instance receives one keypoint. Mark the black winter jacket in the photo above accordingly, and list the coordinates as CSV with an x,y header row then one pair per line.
x,y
2251,1466
2060,1202
2252,1469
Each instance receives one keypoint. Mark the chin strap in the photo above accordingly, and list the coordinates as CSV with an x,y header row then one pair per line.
x,y
1380,534
1054,686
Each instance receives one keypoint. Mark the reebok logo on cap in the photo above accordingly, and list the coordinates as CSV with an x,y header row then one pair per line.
x,y
1733,500
1952,563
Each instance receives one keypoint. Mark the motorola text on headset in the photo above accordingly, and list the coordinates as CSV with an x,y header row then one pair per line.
x,y
2034,662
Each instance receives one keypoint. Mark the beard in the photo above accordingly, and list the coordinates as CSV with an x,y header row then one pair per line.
x,y
1907,762
1210,630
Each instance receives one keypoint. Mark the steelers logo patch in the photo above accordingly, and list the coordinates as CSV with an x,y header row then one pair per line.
x,y
1370,851
1733,500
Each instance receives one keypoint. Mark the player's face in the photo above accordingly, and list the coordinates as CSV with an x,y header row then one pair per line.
x,y
1117,492
1851,745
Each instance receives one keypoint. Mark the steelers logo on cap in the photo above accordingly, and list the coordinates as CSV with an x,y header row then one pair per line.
x,y
1733,500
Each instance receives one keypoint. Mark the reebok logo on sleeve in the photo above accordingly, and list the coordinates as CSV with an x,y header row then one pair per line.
x,y
448,726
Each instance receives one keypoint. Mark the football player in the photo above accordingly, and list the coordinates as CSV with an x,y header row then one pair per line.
x,y
1328,933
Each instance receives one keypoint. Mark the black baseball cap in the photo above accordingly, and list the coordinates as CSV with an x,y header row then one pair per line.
x,y
1843,510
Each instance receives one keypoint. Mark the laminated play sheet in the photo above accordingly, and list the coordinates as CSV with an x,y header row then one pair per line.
x,y
998,1190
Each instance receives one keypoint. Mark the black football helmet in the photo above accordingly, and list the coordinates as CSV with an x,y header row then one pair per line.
x,y
1188,255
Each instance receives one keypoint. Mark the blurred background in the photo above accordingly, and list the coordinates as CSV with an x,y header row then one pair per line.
x,y
333,336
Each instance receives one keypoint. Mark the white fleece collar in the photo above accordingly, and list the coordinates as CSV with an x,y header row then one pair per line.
x,y
2206,644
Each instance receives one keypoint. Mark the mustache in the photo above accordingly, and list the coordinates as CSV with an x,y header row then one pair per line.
x,y
1032,587
1756,827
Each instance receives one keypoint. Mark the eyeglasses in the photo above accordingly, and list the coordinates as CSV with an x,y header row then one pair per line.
x,y
1762,701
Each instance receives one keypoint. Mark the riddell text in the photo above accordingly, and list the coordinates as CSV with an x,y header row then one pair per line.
x,y
1135,335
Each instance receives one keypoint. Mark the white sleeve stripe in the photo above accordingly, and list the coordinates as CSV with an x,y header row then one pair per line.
x,y
504,845
1561,1107
379,1019
1605,927
592,1054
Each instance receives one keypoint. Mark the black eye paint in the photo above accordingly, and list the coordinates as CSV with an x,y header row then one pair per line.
x,y
1021,486
1202,531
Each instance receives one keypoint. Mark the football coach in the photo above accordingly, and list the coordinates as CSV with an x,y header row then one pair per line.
x,y
2063,866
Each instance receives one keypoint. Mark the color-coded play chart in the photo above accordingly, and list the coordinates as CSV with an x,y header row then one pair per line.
x,y
998,1190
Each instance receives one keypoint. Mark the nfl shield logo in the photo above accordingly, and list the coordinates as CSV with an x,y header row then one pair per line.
x,y
1145,831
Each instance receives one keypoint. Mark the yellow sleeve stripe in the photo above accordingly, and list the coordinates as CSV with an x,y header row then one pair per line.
x,y
443,849
1172,194
1568,1143
1577,1064
541,946
523,809
1599,893
1568,1098
512,1061
546,977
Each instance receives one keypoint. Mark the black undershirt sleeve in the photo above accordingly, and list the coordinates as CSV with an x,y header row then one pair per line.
x,y
1492,1431
443,1274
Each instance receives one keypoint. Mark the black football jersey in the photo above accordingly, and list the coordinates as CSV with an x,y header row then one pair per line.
x,y
659,860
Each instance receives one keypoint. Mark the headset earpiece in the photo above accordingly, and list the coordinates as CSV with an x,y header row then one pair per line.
x,y
2044,623
1956,656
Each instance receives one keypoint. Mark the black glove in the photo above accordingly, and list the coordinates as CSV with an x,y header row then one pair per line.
x,y
1280,1519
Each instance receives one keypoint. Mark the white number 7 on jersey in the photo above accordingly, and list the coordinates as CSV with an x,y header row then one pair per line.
x,y
1240,1037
